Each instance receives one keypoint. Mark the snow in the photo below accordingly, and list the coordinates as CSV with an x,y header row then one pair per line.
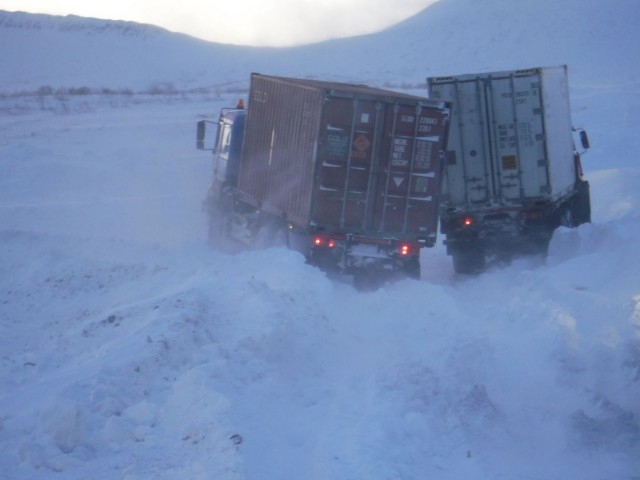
x,y
129,349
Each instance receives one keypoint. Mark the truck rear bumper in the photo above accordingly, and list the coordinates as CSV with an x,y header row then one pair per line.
x,y
349,254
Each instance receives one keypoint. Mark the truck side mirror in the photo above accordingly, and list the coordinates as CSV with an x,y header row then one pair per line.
x,y
584,139
200,134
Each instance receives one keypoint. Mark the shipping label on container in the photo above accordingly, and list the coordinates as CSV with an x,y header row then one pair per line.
x,y
421,151
360,146
418,139
340,146
399,155
337,144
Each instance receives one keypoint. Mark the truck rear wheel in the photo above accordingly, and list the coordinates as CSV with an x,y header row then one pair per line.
x,y
566,217
369,279
216,229
219,225
469,260
537,243
271,235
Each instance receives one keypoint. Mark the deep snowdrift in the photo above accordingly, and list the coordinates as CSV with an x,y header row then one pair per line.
x,y
131,350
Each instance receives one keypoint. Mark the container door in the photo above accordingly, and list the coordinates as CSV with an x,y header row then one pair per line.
x,y
414,139
518,137
468,177
497,139
346,183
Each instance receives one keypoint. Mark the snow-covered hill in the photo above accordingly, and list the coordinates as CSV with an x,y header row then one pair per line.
x,y
75,52
451,36
131,350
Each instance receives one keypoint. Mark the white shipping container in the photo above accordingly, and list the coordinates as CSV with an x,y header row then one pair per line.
x,y
510,140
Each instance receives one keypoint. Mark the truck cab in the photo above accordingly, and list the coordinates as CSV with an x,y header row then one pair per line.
x,y
227,149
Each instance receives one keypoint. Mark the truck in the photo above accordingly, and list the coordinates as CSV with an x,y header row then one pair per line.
x,y
346,174
512,173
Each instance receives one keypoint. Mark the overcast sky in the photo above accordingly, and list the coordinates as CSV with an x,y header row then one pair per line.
x,y
245,22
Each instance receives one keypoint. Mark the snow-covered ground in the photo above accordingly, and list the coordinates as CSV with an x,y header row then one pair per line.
x,y
131,350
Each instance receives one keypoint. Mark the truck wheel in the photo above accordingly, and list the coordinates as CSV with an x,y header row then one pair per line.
x,y
281,238
219,209
539,244
262,238
469,260
216,229
566,217
368,279
324,261
270,235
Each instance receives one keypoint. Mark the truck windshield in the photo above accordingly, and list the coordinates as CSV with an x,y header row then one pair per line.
x,y
225,139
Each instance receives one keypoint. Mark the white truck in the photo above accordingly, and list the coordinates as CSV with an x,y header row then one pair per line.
x,y
512,173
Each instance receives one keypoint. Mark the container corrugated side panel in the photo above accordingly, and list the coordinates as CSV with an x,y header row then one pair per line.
x,y
279,146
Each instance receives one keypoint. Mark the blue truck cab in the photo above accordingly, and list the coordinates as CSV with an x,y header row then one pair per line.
x,y
227,149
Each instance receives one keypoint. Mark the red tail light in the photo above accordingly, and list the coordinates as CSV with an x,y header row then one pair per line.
x,y
321,241
405,249
467,222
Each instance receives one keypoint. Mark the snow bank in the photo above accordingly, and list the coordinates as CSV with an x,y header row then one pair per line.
x,y
131,350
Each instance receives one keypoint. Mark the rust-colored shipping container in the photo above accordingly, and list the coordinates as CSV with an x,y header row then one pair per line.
x,y
346,158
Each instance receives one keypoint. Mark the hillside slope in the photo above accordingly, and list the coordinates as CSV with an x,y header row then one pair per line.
x,y
450,36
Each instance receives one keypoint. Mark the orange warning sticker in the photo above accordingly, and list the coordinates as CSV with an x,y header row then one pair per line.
x,y
361,142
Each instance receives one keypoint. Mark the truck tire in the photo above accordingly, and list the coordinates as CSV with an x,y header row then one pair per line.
x,y
270,235
216,229
324,261
369,279
219,209
538,243
469,260
219,234
566,216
